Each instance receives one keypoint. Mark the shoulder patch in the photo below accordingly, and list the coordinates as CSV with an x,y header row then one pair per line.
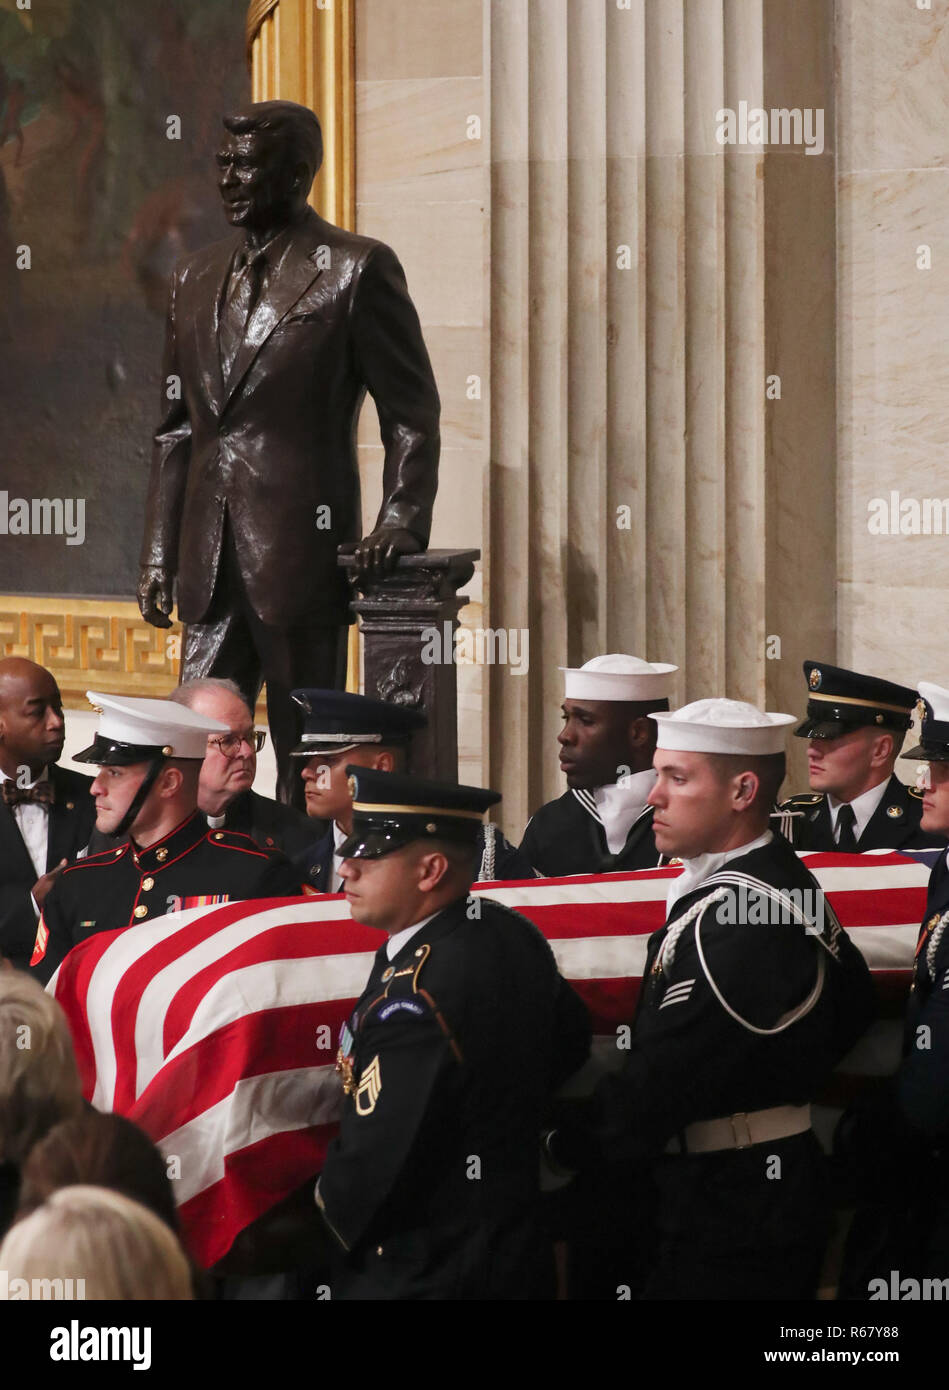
x,y
416,1007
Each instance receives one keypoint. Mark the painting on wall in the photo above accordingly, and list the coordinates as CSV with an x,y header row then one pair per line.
x,y
109,119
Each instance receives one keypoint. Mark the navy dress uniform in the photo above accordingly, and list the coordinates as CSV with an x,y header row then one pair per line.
x,y
839,701
336,722
752,993
606,829
189,867
892,1147
449,1060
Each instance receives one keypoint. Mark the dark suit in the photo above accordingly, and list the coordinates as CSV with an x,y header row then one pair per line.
x,y
431,1188
893,825
71,818
566,836
241,467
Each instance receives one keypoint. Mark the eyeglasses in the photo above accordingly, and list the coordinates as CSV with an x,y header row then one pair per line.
x,y
230,744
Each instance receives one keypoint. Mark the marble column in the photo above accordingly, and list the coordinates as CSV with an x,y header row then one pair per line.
x,y
648,284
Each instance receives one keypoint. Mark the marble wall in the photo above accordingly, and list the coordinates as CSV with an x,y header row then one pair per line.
x,y
623,286
893,339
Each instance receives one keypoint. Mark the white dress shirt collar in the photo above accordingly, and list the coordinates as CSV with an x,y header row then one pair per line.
x,y
398,939
863,807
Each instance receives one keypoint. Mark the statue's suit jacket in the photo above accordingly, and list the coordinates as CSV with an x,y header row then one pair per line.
x,y
276,441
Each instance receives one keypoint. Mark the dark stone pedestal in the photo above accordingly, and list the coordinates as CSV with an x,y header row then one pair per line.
x,y
408,621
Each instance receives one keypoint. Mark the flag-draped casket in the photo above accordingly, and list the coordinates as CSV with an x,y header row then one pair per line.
x,y
216,1029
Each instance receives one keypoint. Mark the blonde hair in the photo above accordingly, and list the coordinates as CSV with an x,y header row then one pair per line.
x,y
39,1080
116,1246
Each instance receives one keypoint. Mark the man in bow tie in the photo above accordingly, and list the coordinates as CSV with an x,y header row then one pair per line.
x,y
274,336
47,813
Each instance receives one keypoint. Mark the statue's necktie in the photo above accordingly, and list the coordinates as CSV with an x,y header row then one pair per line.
x,y
243,293
846,820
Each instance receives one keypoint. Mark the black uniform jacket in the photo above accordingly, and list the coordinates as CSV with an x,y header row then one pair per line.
x,y
924,1073
740,1012
566,836
806,822
71,818
271,824
500,861
129,885
453,1051
277,439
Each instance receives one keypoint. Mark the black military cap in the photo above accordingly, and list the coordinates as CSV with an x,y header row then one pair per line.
x,y
391,809
933,711
336,721
841,700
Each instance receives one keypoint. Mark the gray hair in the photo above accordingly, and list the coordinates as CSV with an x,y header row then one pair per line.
x,y
115,1246
39,1080
184,693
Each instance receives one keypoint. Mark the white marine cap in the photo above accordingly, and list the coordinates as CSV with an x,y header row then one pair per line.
x,y
618,677
722,726
130,724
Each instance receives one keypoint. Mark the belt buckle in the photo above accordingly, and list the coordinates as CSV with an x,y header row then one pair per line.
x,y
740,1141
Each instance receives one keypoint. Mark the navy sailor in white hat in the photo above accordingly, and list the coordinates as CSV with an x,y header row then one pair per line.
x,y
751,995
149,754
602,823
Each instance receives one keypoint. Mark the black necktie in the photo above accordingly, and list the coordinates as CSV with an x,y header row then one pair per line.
x,y
846,820
242,294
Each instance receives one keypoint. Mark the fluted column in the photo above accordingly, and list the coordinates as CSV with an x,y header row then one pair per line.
x,y
644,494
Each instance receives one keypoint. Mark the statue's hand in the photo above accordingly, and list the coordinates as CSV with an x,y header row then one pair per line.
x,y
155,596
377,553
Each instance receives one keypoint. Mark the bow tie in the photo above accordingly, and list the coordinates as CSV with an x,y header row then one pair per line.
x,y
40,794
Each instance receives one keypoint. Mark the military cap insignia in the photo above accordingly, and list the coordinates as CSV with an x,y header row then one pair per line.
x,y
351,784
814,679
920,709
894,812
369,1088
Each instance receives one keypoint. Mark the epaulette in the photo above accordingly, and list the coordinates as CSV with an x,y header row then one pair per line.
x,y
916,792
101,860
236,839
801,799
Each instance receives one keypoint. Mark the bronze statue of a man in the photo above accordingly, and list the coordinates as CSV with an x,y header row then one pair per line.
x,y
273,337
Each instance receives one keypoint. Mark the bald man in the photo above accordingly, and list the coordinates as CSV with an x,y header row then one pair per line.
x,y
46,812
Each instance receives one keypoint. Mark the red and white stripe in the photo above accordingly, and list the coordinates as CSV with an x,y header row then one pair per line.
x,y
216,1029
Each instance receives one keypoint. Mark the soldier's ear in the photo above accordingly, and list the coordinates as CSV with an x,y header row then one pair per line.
x,y
433,866
384,761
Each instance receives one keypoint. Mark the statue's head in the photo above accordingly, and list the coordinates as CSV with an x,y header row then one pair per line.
x,y
267,162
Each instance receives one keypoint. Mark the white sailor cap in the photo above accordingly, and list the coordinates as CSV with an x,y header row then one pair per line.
x,y
133,729
618,677
722,726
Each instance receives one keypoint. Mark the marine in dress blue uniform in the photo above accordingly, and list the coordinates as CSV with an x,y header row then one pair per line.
x,y
463,1031
885,813
186,866
751,995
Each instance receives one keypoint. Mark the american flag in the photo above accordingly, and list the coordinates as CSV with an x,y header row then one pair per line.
x,y
216,1029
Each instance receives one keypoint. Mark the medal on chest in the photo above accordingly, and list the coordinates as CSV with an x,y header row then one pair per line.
x,y
345,1059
